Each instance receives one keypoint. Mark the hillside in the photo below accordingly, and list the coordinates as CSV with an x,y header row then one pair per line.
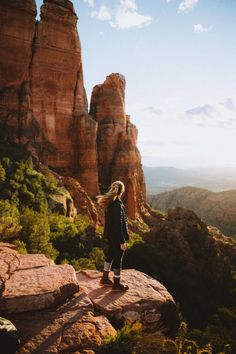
x,y
164,178
216,208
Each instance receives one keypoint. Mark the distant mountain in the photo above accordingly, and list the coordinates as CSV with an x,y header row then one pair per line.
x,y
162,179
216,208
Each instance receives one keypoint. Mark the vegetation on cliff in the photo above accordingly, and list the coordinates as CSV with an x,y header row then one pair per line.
x,y
216,208
179,251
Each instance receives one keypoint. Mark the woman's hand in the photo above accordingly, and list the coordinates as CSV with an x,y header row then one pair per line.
x,y
123,246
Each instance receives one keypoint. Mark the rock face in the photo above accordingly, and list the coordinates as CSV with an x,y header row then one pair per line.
x,y
66,320
146,301
43,103
32,282
42,98
69,328
118,156
17,28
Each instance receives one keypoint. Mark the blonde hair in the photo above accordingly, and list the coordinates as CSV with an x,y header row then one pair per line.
x,y
117,188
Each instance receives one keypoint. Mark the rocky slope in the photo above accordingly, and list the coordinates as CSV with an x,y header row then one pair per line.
x,y
216,208
66,321
43,103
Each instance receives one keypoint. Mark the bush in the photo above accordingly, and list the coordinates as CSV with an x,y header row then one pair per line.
x,y
9,220
124,342
35,233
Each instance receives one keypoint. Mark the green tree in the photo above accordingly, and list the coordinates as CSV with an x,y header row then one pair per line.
x,y
2,174
36,233
9,220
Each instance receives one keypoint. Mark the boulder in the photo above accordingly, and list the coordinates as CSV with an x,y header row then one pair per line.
x,y
31,282
147,301
69,328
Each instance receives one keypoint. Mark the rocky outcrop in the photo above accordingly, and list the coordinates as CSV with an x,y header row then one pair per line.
x,y
147,301
66,321
69,328
33,282
43,103
118,156
17,28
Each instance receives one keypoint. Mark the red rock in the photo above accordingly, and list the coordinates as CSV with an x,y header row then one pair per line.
x,y
44,103
17,29
118,155
68,328
146,301
83,203
59,100
32,282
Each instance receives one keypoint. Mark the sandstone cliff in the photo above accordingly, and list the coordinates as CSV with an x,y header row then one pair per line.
x,y
118,156
43,103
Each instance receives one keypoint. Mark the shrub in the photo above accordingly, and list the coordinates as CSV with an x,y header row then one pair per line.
x,y
9,220
124,341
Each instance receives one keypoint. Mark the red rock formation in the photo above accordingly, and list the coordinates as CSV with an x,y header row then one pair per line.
x,y
17,28
25,278
42,93
58,96
43,102
118,156
150,304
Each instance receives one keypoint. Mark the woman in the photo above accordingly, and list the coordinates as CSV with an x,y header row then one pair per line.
x,y
116,232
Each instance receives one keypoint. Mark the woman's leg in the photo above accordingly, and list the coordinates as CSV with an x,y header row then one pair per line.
x,y
107,267
117,265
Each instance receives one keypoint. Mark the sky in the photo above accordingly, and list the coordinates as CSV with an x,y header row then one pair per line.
x,y
179,61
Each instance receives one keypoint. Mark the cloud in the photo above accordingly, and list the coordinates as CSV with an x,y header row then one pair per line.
x,y
213,116
199,28
153,110
204,110
123,16
89,2
187,5
102,14
229,104
101,33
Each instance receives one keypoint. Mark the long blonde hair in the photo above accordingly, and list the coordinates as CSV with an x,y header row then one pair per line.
x,y
116,189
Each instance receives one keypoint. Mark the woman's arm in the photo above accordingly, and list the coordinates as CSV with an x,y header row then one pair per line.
x,y
117,224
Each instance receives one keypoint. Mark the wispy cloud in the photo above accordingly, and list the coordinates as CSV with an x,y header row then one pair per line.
x,y
213,116
89,2
229,104
199,28
206,109
153,110
102,14
187,5
123,16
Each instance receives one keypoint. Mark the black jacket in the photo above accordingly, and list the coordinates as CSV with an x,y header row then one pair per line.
x,y
116,225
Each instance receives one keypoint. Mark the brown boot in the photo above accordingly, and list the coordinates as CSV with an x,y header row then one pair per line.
x,y
117,286
105,281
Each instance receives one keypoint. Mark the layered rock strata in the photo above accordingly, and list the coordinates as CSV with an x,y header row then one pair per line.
x,y
66,321
118,156
33,282
43,103
147,301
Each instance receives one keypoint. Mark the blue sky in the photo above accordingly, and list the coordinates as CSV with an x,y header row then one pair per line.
x,y
179,60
